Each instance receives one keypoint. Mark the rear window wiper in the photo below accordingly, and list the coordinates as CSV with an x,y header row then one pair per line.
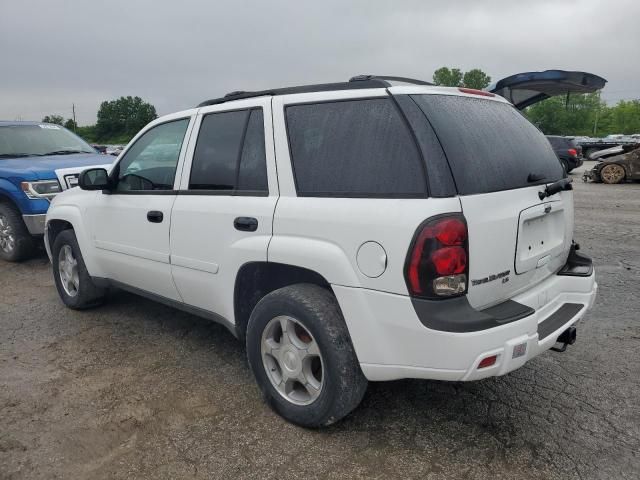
x,y
555,187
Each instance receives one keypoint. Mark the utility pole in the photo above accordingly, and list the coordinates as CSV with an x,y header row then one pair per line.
x,y
595,123
73,108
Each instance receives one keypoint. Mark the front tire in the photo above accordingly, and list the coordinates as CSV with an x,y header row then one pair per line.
x,y
16,243
301,355
612,174
73,282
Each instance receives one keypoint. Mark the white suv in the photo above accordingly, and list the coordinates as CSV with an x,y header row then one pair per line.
x,y
346,232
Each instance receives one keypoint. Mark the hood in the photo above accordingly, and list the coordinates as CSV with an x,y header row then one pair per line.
x,y
607,152
43,168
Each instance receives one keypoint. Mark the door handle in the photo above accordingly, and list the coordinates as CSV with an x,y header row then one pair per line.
x,y
246,224
155,216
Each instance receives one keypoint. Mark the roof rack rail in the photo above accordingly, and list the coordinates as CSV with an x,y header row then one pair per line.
x,y
389,78
357,82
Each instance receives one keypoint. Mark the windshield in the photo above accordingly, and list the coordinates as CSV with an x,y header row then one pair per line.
x,y
490,145
42,139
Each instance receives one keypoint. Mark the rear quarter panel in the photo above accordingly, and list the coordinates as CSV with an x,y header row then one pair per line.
x,y
324,234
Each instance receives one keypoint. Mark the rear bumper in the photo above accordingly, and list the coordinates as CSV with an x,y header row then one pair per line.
x,y
35,223
392,343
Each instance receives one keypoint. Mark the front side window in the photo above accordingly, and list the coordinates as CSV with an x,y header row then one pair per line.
x,y
150,164
229,157
355,148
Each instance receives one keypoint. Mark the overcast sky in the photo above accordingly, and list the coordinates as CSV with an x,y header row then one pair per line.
x,y
175,54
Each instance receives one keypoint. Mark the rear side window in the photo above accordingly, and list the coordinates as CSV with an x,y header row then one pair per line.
x,y
230,154
354,148
490,145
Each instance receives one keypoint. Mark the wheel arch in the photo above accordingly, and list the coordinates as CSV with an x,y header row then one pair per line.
x,y
257,279
65,217
5,198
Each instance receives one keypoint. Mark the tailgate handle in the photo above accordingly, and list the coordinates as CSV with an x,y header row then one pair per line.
x,y
543,261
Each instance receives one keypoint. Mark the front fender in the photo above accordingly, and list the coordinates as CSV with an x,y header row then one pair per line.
x,y
12,193
73,215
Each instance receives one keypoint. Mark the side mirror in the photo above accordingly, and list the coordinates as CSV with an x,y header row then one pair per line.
x,y
94,179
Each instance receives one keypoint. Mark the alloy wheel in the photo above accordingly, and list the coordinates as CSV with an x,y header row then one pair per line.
x,y
68,271
612,174
292,360
7,237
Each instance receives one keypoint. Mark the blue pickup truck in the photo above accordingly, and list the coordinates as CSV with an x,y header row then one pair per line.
x,y
37,161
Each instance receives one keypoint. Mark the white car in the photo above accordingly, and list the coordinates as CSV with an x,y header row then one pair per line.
x,y
349,232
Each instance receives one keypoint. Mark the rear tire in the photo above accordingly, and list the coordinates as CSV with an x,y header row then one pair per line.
x,y
301,355
74,284
612,174
16,243
565,166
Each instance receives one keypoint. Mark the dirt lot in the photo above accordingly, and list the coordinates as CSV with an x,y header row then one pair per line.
x,y
137,390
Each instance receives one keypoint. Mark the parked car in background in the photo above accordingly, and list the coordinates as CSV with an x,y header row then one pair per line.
x,y
567,150
114,150
307,221
100,148
617,150
37,161
616,168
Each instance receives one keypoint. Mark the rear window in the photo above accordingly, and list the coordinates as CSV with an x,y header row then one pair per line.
x,y
559,143
490,145
354,148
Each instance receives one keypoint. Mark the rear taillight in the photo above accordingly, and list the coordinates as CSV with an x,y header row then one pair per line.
x,y
437,264
572,152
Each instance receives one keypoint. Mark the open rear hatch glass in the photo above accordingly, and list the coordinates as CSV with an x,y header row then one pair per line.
x,y
525,89
500,162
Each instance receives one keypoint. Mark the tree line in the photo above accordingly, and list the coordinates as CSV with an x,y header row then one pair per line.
x,y
585,115
575,115
578,114
117,120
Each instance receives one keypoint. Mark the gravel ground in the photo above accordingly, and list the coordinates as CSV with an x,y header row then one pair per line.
x,y
137,390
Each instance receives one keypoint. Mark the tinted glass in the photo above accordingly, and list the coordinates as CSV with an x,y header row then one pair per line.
x,y
252,175
42,139
354,148
490,145
215,159
150,164
438,172
560,142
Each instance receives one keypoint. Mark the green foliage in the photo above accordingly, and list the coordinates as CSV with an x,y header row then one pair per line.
x,y
476,78
70,125
88,133
448,77
122,118
576,115
57,119
585,115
